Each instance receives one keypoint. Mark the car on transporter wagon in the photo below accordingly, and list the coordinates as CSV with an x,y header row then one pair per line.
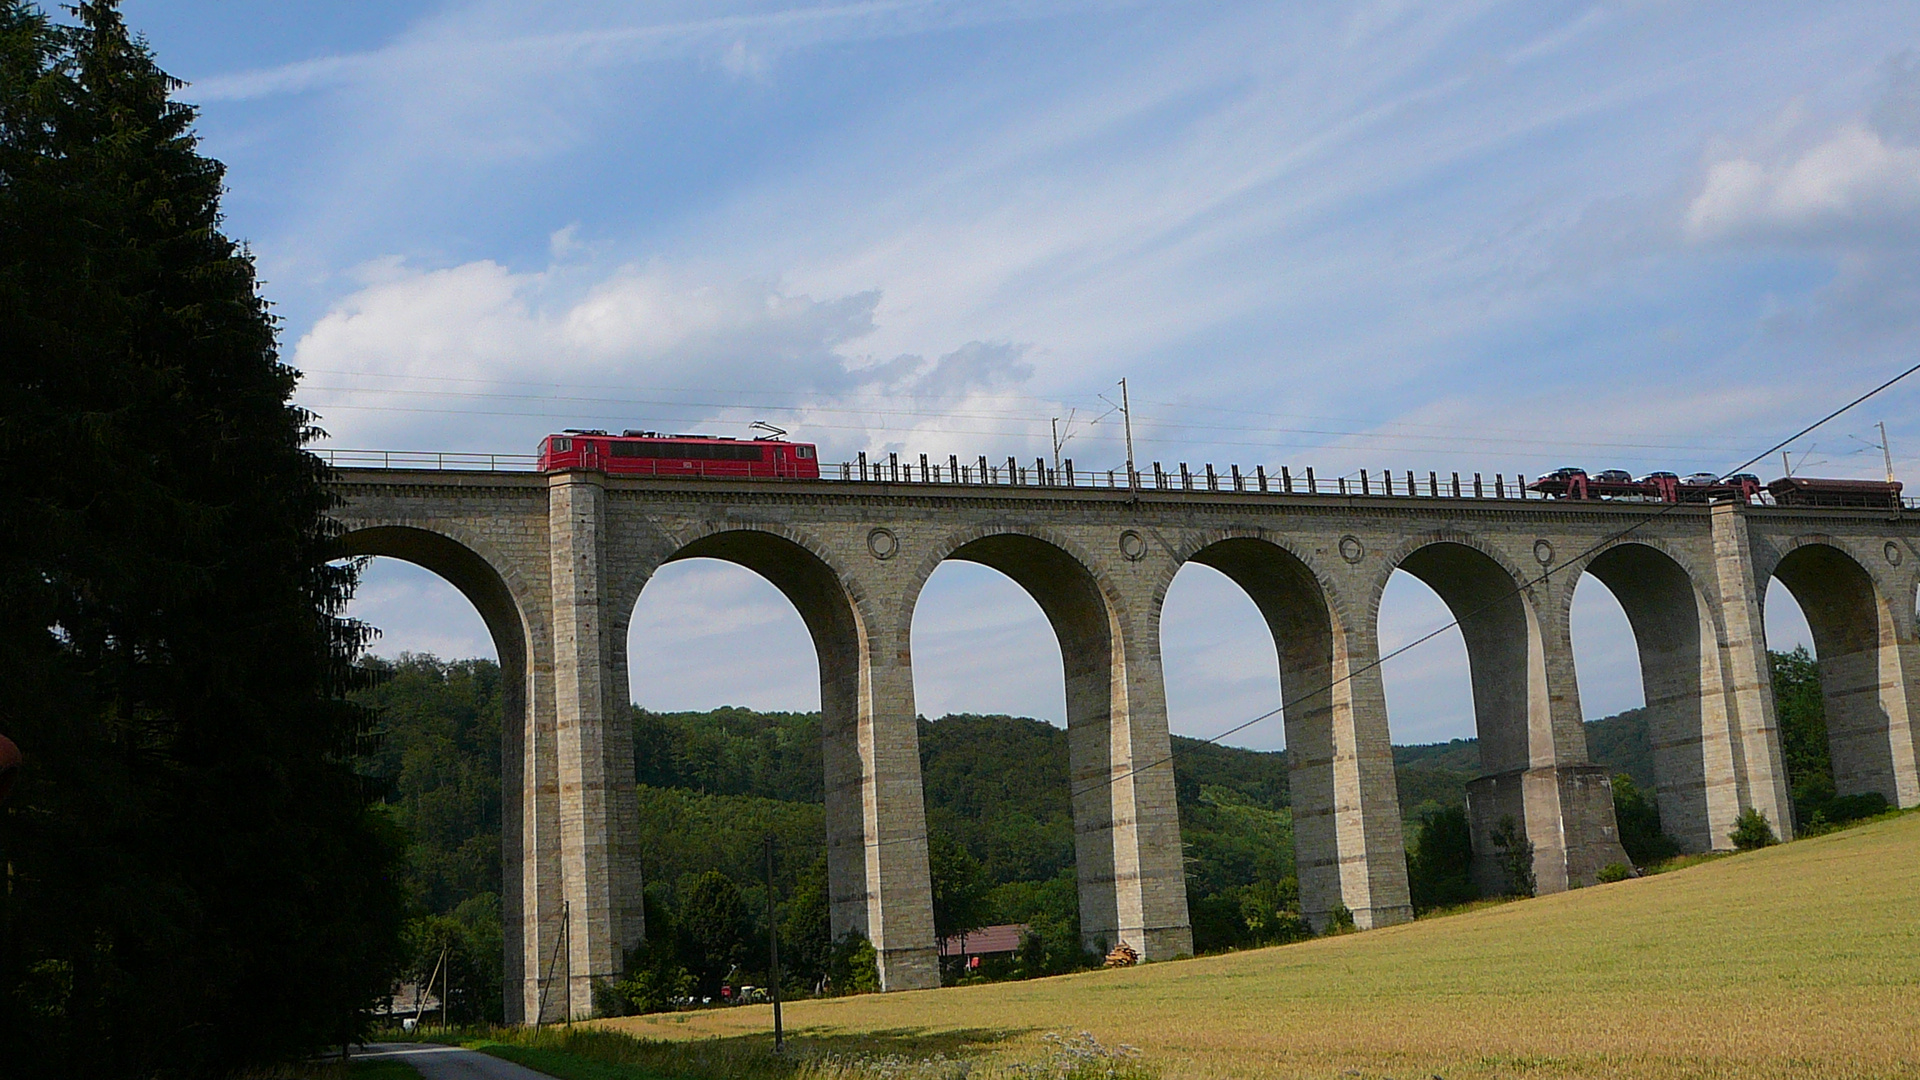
x,y
656,453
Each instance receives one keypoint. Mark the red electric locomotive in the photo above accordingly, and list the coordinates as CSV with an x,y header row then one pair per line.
x,y
653,453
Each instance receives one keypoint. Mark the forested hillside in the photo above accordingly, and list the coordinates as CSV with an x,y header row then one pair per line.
x,y
713,785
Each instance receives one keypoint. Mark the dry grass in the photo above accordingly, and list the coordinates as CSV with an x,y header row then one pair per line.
x,y
1796,961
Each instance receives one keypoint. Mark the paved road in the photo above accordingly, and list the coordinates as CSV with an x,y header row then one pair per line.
x,y
435,1062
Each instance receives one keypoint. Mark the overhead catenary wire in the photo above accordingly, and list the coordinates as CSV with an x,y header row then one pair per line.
x,y
859,404
884,412
1049,402
1034,425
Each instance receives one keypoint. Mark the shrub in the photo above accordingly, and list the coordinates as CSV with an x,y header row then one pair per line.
x,y
854,967
1515,856
608,1000
654,980
1752,830
1339,920
1855,807
1613,872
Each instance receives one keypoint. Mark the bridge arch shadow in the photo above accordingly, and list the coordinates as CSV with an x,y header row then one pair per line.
x,y
1855,633
461,564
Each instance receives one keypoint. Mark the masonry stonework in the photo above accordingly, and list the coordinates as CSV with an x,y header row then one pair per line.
x,y
555,565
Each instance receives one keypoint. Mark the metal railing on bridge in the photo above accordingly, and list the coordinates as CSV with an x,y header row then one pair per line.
x,y
980,472
1155,477
429,459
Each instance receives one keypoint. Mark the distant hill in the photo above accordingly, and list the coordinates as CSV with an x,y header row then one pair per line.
x,y
712,784
1437,773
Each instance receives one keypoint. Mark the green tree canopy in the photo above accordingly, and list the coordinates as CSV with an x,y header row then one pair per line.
x,y
196,879
713,925
1800,708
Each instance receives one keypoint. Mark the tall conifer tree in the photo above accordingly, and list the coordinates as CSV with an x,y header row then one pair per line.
x,y
194,880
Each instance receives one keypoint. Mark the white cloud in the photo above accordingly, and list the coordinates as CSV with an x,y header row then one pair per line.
x,y
478,356
1853,185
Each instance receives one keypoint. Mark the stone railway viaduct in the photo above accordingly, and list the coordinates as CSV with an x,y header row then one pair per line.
x,y
555,565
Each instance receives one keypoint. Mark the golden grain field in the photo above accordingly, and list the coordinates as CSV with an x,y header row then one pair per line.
x,y
1796,961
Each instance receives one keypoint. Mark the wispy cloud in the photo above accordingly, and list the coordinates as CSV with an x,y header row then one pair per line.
x,y
488,38
1492,236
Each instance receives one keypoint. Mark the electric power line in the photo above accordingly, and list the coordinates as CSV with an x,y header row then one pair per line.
x,y
1036,423
1457,620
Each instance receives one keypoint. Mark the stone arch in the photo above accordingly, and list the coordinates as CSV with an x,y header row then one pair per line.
x,y
1533,754
830,606
1504,646
1675,633
1856,634
498,593
1126,827
948,547
1309,634
494,589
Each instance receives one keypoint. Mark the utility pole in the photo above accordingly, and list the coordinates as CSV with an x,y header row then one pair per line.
x,y
1786,462
1886,450
420,992
1126,418
1056,444
773,953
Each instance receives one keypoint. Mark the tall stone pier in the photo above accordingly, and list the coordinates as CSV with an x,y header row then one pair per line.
x,y
555,565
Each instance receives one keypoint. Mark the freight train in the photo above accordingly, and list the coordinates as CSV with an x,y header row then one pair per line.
x,y
1573,483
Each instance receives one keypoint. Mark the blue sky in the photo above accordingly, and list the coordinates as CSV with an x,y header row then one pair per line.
x,y
1493,237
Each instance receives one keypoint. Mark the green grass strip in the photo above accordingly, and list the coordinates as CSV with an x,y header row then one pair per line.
x,y
565,1066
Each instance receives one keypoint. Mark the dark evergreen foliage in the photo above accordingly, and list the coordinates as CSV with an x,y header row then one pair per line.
x,y
731,751
1800,710
1440,860
1637,815
196,879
